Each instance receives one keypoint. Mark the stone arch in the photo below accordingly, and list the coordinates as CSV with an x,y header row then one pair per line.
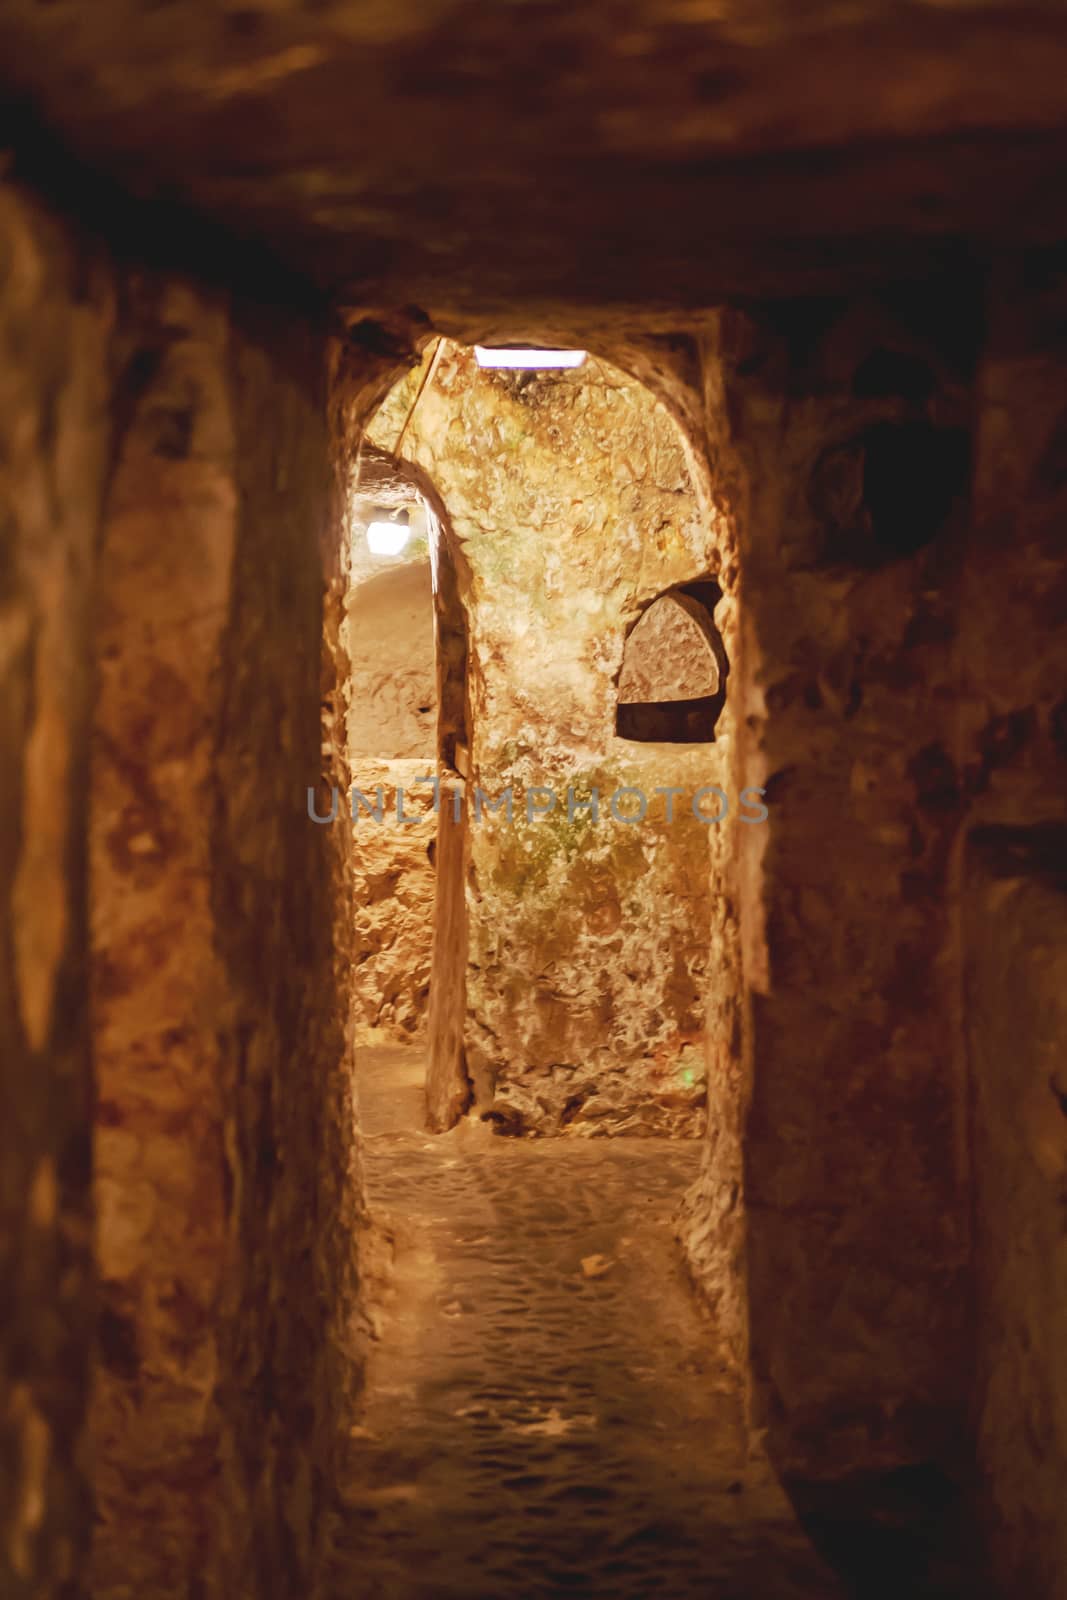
x,y
554,555
409,693
393,705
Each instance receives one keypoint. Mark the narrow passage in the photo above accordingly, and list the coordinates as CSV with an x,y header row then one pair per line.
x,y
542,1416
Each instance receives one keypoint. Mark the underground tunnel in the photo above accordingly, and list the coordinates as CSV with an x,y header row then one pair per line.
x,y
533,855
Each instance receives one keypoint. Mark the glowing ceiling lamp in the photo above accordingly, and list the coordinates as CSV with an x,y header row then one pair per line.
x,y
388,538
527,360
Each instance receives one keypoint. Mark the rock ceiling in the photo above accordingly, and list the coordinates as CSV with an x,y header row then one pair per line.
x,y
470,158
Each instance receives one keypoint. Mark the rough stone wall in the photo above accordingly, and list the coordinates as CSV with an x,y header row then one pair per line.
x,y
712,1221
893,471
279,902
1017,939
159,988
392,711
448,1089
572,505
56,319
392,741
226,1178
642,155
1009,759
146,418
838,1180
393,897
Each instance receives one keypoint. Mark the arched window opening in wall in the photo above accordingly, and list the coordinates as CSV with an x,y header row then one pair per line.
x,y
533,1017
672,685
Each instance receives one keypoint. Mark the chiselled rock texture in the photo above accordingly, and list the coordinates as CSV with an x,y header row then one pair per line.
x,y
843,1180
56,321
393,706
226,1179
160,996
392,743
1010,766
1017,922
668,656
448,1088
393,849
636,155
892,481
829,240
293,1309
572,503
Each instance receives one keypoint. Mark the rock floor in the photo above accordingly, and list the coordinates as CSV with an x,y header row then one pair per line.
x,y
544,1413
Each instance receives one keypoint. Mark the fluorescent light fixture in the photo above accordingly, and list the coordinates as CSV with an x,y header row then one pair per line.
x,y
497,356
387,538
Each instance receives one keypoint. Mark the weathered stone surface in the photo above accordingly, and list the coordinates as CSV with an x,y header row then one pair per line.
x,y
888,705
845,1166
392,742
1012,656
1017,940
636,154
292,1309
571,500
226,1179
393,707
448,1088
881,1195
56,319
535,1286
160,1179
393,896
668,655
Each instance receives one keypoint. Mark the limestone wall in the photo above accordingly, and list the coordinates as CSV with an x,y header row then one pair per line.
x,y
844,1182
160,998
223,1160
56,326
867,989
1010,757
393,898
392,741
174,540
890,468
572,505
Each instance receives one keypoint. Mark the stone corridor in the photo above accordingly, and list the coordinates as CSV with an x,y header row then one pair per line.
x,y
544,1411
533,832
